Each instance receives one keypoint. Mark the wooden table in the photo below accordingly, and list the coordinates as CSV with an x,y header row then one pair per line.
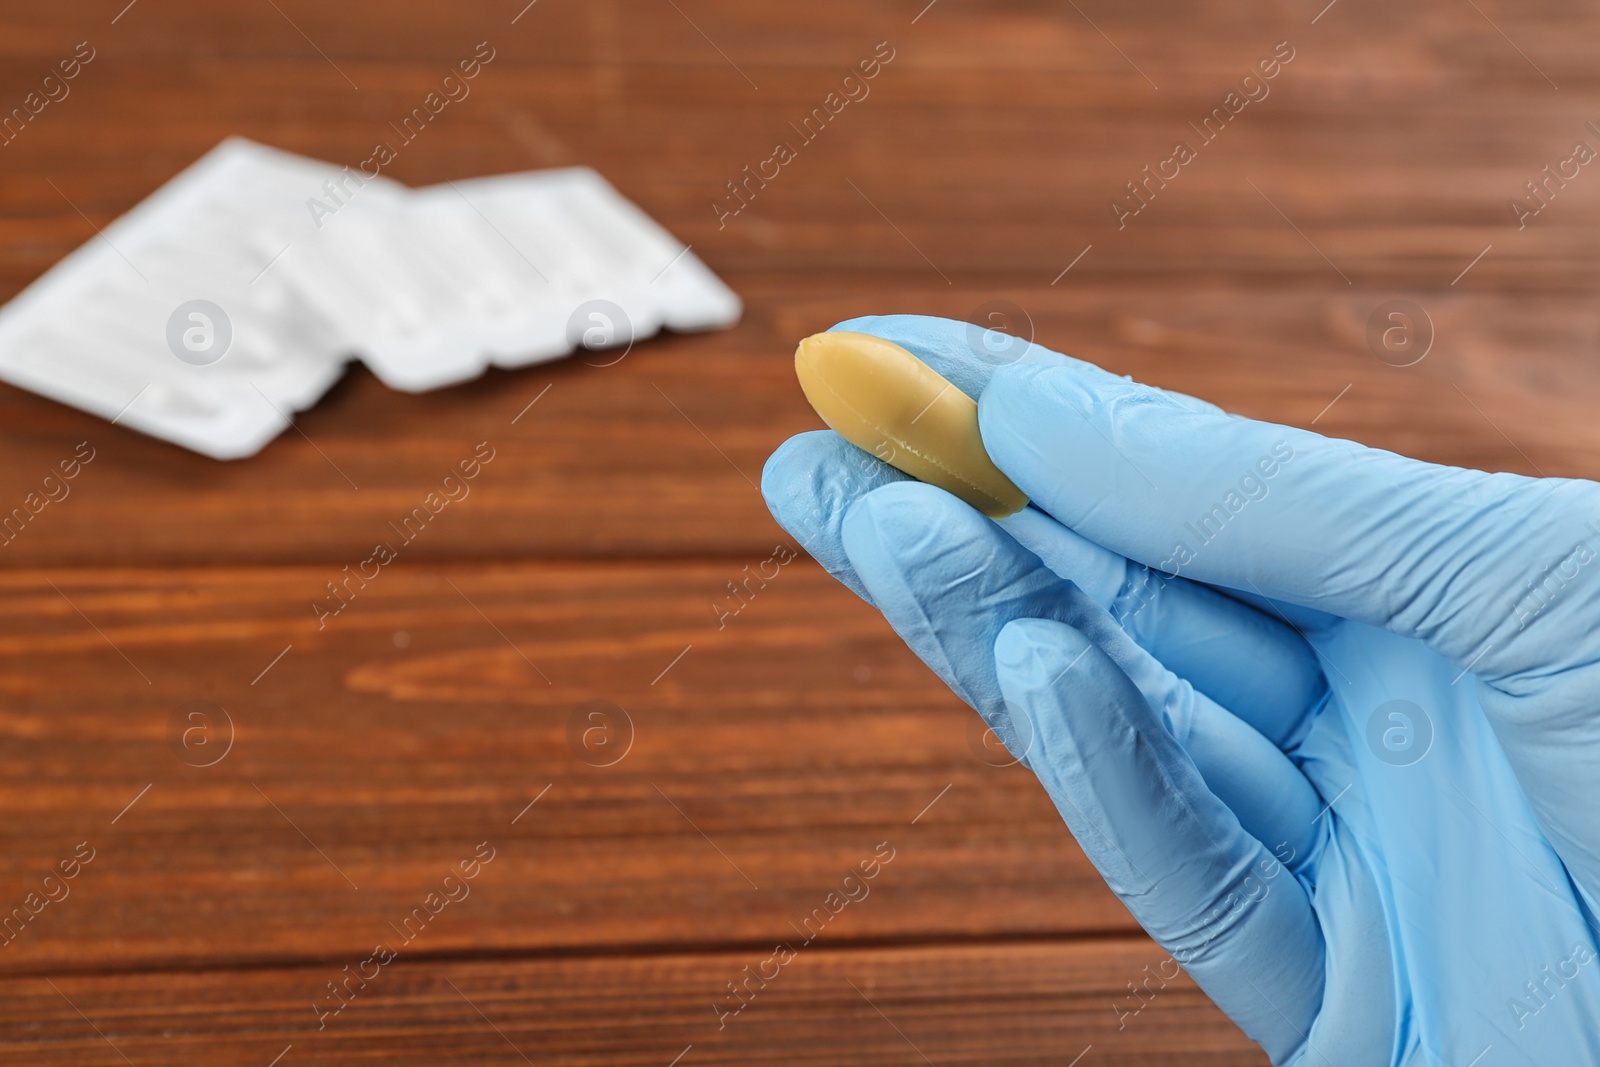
x,y
441,718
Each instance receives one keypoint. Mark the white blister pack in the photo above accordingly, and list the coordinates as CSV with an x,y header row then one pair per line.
x,y
233,296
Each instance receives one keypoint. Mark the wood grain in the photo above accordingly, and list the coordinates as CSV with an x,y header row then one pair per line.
x,y
749,768
1040,1003
768,754
689,421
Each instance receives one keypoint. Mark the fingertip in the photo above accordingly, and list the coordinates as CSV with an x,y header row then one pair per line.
x,y
1024,416
792,482
1034,651
1077,442
1008,405
919,554
940,343
911,522
893,327
1017,375
964,353
859,531
936,341
1025,392
819,466
871,324
808,484
776,474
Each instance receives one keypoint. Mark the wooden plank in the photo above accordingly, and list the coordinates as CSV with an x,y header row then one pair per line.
x,y
1038,129
659,454
1015,177
991,1004
766,760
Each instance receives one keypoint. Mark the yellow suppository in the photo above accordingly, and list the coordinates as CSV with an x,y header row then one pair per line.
x,y
881,398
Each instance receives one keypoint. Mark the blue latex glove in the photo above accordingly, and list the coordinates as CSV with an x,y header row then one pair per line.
x,y
1196,637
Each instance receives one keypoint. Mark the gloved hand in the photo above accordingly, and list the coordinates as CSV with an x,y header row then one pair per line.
x,y
1324,717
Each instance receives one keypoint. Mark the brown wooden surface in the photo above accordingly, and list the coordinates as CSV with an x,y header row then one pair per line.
x,y
1017,1004
781,748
